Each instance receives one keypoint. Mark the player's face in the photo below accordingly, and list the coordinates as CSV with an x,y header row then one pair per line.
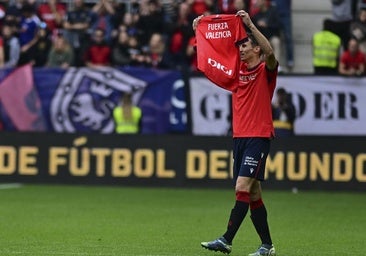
x,y
247,51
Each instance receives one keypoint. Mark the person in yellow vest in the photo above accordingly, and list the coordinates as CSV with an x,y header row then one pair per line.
x,y
326,50
127,117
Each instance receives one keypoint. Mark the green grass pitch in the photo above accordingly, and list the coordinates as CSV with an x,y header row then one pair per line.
x,y
99,220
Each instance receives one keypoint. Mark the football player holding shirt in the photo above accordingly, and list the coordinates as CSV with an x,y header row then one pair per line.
x,y
252,132
219,32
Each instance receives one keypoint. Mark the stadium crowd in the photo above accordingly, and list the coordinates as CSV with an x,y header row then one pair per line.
x,y
340,47
152,33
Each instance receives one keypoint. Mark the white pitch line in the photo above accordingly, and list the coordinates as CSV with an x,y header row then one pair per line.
x,y
10,185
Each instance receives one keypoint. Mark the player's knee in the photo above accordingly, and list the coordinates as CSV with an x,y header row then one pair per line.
x,y
243,184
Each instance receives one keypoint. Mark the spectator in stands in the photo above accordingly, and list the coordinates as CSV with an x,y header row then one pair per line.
x,y
268,22
28,34
120,10
191,54
231,6
14,26
120,53
326,48
129,23
11,46
61,55
151,20
14,9
102,15
13,22
42,46
352,61
137,56
225,7
342,16
285,16
241,5
182,32
253,8
127,117
76,24
199,7
52,12
99,52
13,14
358,29
158,55
284,113
142,7
169,9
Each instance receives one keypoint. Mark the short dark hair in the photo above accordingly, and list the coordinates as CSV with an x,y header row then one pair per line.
x,y
253,39
254,42
250,37
327,24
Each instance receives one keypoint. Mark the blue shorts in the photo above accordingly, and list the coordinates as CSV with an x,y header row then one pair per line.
x,y
250,155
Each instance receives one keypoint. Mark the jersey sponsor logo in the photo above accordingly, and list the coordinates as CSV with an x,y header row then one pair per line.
x,y
219,66
250,161
247,78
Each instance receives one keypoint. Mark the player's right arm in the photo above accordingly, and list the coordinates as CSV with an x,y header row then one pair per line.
x,y
264,44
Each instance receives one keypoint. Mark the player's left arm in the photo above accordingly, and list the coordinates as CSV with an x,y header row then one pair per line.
x,y
264,44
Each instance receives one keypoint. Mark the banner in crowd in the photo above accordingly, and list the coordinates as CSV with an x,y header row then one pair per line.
x,y
210,108
82,99
20,100
324,105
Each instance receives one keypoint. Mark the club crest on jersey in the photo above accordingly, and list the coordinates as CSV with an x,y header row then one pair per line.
x,y
86,97
219,66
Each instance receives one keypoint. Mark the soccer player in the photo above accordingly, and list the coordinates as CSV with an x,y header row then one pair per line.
x,y
252,134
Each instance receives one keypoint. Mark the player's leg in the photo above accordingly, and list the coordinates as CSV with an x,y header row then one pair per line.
x,y
241,206
245,157
259,219
259,214
257,207
237,215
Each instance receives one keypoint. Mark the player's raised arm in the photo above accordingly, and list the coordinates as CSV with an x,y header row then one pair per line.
x,y
269,57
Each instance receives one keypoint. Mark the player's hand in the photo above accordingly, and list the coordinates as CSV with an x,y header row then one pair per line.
x,y
196,21
245,16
